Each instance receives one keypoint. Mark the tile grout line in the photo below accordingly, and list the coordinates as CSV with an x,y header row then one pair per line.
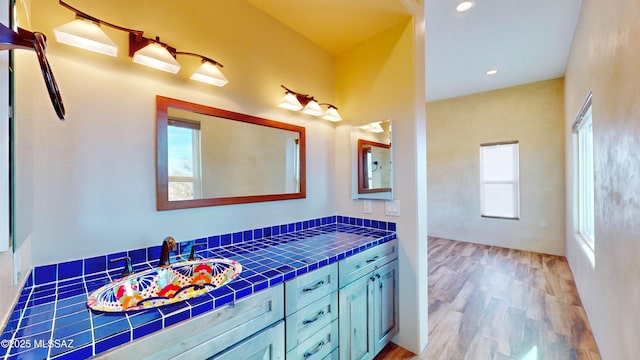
x,y
93,336
53,322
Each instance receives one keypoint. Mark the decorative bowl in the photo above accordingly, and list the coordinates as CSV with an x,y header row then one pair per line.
x,y
164,285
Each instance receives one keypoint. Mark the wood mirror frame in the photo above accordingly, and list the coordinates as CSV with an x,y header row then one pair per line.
x,y
162,157
362,168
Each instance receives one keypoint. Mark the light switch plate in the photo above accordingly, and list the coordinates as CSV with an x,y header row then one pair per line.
x,y
392,207
366,207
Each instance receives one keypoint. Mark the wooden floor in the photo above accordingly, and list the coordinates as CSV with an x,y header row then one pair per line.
x,y
487,302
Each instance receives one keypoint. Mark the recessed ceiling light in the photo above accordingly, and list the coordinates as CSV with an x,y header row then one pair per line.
x,y
492,72
465,6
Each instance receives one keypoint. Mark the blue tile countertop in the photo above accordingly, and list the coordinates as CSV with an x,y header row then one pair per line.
x,y
51,319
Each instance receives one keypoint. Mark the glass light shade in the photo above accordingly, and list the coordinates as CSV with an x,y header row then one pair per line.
x,y
290,102
465,6
313,108
332,114
85,34
156,56
209,73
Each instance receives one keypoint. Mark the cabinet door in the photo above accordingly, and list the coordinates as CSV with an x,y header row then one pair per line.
x,y
356,320
266,345
385,305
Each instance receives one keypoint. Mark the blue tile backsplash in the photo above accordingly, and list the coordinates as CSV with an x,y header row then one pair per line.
x,y
50,319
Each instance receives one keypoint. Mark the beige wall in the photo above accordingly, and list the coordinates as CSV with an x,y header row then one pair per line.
x,y
7,290
604,59
531,114
93,177
380,79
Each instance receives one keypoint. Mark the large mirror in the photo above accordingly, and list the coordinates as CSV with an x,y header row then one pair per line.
x,y
208,156
373,161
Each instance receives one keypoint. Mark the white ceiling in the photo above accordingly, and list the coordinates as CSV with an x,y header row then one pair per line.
x,y
527,41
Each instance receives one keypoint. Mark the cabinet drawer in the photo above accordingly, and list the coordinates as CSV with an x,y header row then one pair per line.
x,y
309,320
335,355
209,333
303,290
266,345
317,346
356,266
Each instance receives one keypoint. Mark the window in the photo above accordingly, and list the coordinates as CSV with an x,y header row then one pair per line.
x,y
183,140
583,164
499,180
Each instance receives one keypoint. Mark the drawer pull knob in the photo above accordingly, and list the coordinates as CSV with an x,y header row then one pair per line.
x,y
310,353
311,288
373,259
314,318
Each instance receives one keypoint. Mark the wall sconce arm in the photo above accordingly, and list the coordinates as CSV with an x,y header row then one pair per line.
x,y
86,16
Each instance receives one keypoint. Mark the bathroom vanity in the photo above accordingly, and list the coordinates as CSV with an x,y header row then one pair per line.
x,y
319,289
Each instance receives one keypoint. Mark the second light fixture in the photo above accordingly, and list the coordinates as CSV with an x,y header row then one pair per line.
x,y
296,101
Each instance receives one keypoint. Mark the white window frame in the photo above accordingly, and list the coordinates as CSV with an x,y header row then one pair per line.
x,y
584,175
514,181
196,179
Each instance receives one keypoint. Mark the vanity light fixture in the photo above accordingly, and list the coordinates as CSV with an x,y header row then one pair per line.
x,y
465,6
313,108
154,54
492,72
85,33
296,101
208,72
290,101
332,114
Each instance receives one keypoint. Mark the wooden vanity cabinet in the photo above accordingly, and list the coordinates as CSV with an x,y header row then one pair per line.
x,y
368,302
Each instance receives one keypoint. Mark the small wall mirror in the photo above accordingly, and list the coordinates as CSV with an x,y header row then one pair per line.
x,y
208,156
373,161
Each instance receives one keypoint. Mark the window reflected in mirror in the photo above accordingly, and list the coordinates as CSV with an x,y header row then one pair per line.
x,y
183,142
